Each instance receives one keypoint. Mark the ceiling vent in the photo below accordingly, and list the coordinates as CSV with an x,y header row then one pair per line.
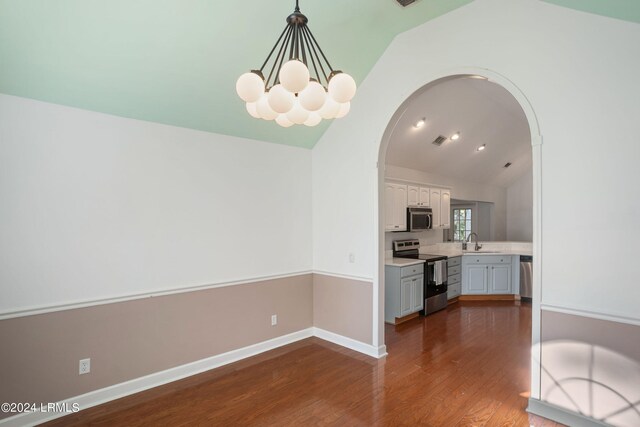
x,y
405,3
439,140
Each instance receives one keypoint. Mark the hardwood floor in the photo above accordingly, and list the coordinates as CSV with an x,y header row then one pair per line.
x,y
467,365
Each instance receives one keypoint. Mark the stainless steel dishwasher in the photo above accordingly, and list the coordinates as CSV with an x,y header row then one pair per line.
x,y
526,277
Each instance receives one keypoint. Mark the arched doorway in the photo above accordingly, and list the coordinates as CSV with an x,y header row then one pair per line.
x,y
536,147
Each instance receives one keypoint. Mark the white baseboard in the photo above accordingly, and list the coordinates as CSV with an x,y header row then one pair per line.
x,y
117,391
561,415
137,385
350,343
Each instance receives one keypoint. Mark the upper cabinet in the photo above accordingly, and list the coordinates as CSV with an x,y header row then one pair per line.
x,y
445,208
418,196
399,196
440,205
395,207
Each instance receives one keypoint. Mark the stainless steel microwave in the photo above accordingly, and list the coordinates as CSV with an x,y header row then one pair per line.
x,y
419,219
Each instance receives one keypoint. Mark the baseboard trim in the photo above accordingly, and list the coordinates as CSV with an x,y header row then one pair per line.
x,y
350,343
137,385
561,415
496,297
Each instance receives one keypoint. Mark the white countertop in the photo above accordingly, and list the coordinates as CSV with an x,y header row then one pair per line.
x,y
497,248
402,262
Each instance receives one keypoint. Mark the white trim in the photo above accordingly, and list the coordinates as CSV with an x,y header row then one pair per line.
x,y
89,303
350,343
117,391
575,311
420,82
156,379
561,415
344,276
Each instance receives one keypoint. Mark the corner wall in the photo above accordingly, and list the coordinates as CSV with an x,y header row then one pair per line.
x,y
560,60
141,246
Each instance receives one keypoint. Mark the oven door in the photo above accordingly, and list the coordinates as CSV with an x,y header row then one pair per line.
x,y
436,273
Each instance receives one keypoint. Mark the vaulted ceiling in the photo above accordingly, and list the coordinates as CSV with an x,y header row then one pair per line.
x,y
481,113
176,61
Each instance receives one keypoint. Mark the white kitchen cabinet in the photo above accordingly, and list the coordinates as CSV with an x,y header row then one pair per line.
x,y
404,293
395,207
445,207
435,195
418,196
486,274
440,200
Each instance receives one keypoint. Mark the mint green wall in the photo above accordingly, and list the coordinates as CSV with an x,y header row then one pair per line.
x,y
176,61
629,10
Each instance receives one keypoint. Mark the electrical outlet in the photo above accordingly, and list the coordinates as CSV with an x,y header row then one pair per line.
x,y
352,257
274,320
85,366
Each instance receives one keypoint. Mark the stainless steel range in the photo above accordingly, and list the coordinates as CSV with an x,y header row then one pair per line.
x,y
435,273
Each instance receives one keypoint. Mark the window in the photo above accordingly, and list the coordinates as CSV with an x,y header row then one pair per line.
x,y
461,224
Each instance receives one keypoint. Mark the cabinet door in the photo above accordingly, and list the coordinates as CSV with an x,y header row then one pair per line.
x,y
500,279
395,207
413,195
425,196
477,278
406,295
400,207
445,207
389,212
434,195
418,293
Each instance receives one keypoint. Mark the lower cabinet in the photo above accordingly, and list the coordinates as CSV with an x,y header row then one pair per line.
x,y
403,291
486,275
454,269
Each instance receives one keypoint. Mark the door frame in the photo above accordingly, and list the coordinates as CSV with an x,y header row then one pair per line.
x,y
536,148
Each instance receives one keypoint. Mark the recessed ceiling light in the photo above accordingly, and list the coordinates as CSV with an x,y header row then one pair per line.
x,y
455,136
419,123
482,147
478,77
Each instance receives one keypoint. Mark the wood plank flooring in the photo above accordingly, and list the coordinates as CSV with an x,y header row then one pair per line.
x,y
467,365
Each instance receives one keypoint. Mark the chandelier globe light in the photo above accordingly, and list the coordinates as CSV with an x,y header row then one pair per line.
x,y
301,87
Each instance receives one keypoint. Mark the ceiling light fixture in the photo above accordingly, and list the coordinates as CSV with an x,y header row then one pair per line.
x,y
455,136
419,123
301,86
482,147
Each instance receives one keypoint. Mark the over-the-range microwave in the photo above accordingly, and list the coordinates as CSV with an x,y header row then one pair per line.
x,y
419,219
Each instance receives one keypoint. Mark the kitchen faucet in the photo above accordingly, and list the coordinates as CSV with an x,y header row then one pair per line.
x,y
464,244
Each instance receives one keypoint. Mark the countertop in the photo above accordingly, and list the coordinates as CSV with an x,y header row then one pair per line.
x,y
402,262
455,253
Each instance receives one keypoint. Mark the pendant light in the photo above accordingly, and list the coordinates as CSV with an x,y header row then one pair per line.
x,y
301,87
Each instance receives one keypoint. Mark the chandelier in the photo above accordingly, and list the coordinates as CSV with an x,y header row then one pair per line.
x,y
301,87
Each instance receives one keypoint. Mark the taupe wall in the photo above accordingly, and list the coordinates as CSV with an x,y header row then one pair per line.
x,y
592,367
39,354
343,306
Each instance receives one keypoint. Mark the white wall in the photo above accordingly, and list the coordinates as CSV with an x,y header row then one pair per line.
x,y
461,190
579,73
95,206
520,209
